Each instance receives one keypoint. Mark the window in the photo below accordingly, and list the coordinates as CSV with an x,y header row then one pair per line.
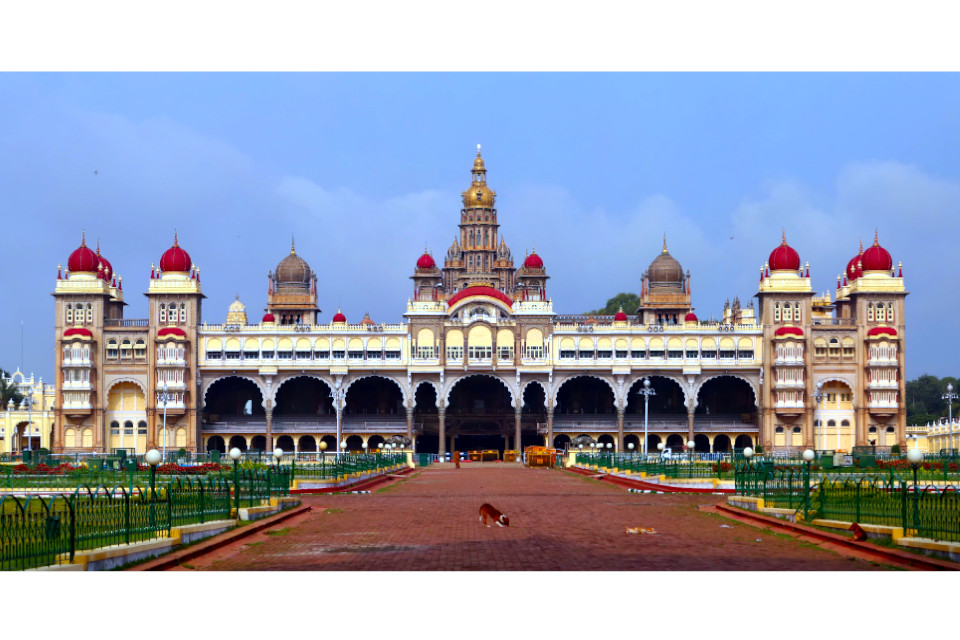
x,y
796,313
142,428
214,355
321,355
140,349
114,428
111,348
183,313
779,430
585,355
881,313
285,355
656,354
776,312
620,353
834,347
870,312
692,353
787,313
126,349
846,397
535,352
339,354
128,428
568,353
745,354
675,354
844,423
730,354
831,423
89,313
478,352
890,312
303,355
638,354
69,314
428,351
163,313
505,353
355,355
392,354
604,354
709,355
233,355
831,397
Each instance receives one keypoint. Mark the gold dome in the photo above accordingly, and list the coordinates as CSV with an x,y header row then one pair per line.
x,y
479,195
237,314
293,271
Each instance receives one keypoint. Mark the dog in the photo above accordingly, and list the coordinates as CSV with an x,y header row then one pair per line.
x,y
858,533
488,511
456,458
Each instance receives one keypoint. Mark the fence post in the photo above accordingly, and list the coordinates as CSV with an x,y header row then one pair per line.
x,y
126,516
200,482
857,500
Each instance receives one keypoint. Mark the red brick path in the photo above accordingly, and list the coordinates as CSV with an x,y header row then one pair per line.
x,y
558,522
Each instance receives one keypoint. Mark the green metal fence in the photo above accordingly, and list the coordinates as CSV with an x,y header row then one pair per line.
x,y
346,465
34,532
690,467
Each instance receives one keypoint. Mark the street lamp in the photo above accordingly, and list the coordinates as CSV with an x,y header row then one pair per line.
x,y
818,396
915,457
235,454
690,445
647,391
950,396
29,400
153,459
323,458
164,397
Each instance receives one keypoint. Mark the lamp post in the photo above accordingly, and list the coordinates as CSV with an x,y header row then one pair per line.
x,y
950,396
235,454
818,396
164,398
690,445
808,456
153,459
29,400
915,457
647,391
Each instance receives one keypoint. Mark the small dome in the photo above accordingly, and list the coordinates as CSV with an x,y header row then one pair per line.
x,y
236,306
876,258
366,319
533,261
83,260
107,271
426,262
854,269
269,318
339,317
620,317
784,257
175,259
690,317
293,271
665,271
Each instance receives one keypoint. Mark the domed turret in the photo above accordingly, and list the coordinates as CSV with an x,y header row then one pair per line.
x,y
479,195
665,272
784,257
175,259
876,258
339,317
293,271
426,261
533,261
237,314
854,268
83,260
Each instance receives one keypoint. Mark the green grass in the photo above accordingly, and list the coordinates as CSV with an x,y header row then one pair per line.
x,y
279,532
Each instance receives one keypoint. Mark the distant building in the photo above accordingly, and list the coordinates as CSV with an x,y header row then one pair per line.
x,y
29,424
481,359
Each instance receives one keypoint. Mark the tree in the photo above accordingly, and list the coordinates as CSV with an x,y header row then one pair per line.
x,y
627,301
8,391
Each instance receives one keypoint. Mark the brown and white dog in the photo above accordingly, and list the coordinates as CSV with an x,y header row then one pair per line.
x,y
488,511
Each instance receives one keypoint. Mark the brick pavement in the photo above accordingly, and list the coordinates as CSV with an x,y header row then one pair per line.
x,y
558,522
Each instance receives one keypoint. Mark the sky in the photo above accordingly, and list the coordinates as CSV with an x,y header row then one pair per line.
x,y
366,169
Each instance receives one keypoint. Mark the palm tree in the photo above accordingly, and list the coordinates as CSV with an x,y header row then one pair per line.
x,y
8,391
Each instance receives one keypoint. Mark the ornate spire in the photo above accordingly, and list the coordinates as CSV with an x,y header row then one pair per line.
x,y
876,242
664,242
784,235
175,238
83,238
293,248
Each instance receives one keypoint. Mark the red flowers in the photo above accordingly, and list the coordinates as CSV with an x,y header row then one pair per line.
x,y
44,470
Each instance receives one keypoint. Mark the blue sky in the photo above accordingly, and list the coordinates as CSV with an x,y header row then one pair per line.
x,y
365,168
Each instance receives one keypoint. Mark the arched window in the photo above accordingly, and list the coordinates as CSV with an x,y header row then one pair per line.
x,y
126,349
831,423
128,428
834,347
787,313
881,313
111,348
890,312
69,314
163,313
114,428
140,349
872,429
869,312
844,423
776,312
779,430
89,313
142,428
183,313
796,313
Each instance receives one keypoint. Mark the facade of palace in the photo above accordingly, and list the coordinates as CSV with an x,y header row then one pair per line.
x,y
481,359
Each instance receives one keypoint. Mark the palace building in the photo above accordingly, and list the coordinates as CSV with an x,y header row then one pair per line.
x,y
480,358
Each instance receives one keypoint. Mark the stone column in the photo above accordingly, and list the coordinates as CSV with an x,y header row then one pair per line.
x,y
269,434
441,421
517,417
689,424
151,429
550,426
410,423
620,413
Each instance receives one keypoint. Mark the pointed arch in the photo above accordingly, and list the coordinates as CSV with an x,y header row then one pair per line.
x,y
454,382
751,383
403,391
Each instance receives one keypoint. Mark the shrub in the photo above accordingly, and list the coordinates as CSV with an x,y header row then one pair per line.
x,y
895,449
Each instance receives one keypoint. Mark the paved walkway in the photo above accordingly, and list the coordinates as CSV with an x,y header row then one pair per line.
x,y
559,522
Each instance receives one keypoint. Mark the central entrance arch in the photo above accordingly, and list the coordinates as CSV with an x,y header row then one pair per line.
x,y
480,414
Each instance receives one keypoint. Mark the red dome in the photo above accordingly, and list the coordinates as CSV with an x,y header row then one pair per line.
x,y
480,291
107,271
171,331
426,262
269,318
83,260
876,258
690,317
533,261
175,259
876,331
339,317
784,257
77,331
786,331
854,270
620,317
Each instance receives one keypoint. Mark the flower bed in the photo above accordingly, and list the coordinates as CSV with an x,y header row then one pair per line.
x,y
45,470
904,465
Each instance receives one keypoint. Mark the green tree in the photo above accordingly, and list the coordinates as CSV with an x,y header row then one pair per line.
x,y
8,391
925,401
628,301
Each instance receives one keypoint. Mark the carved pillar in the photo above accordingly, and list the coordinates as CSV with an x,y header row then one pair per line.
x,y
269,413
550,426
151,429
441,421
517,417
620,429
410,423
690,423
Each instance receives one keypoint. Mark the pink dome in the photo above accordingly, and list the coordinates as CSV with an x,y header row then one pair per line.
x,y
533,261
